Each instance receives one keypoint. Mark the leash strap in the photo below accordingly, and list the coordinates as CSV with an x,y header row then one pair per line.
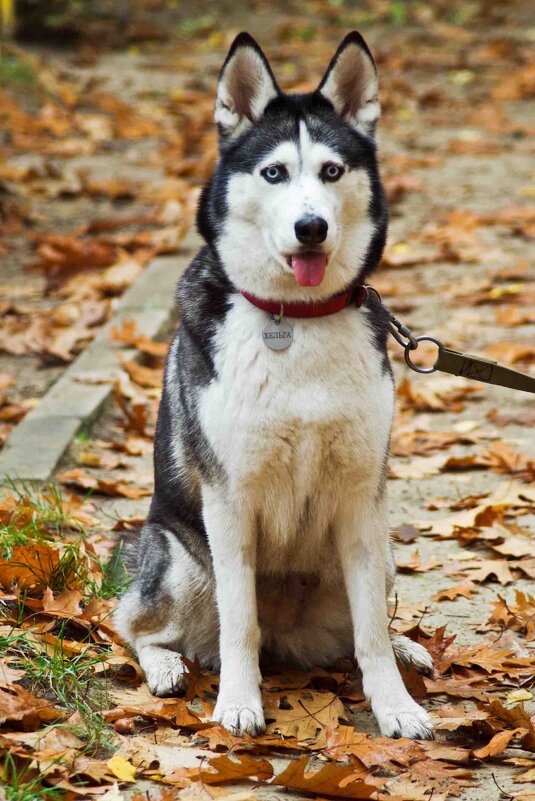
x,y
455,362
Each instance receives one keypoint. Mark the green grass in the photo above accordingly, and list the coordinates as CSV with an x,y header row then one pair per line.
x,y
47,517
41,517
19,783
70,681
16,73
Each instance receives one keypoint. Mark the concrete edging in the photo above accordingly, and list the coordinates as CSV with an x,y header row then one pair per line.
x,y
36,445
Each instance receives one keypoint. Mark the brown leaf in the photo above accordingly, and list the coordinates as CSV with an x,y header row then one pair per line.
x,y
442,393
129,335
17,704
66,604
523,418
239,766
338,781
301,713
465,590
518,617
511,352
414,565
78,478
144,376
499,743
372,752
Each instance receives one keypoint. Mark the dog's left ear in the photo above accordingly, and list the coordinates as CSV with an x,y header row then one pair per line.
x,y
351,85
246,86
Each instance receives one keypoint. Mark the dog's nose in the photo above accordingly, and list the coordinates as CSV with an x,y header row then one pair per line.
x,y
311,230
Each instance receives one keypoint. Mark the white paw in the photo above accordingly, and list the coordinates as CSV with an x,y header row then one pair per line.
x,y
412,653
166,674
247,718
405,719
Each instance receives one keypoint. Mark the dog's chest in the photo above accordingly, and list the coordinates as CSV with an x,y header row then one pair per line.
x,y
294,422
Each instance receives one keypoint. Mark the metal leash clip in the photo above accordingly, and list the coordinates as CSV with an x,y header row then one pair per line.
x,y
455,362
403,334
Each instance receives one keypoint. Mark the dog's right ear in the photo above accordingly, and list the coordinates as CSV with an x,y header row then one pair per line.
x,y
246,85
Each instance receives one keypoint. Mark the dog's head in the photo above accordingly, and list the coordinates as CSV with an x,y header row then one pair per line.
x,y
295,208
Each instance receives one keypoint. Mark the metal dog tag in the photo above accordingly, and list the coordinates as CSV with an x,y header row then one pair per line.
x,y
278,334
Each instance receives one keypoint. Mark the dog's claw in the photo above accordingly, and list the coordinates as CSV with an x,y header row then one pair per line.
x,y
412,722
241,719
412,653
166,676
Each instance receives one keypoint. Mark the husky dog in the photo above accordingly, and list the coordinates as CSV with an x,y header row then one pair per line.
x,y
268,527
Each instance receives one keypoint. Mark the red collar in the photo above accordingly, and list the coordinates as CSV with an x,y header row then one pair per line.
x,y
321,308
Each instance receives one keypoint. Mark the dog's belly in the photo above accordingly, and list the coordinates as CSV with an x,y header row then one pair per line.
x,y
304,619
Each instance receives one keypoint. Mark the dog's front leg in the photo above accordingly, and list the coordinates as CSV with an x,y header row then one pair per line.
x,y
362,541
232,537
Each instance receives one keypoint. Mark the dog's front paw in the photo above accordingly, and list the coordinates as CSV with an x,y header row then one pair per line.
x,y
404,720
246,718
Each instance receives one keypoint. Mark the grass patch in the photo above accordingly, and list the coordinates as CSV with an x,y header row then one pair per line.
x,y
20,783
16,73
70,681
42,545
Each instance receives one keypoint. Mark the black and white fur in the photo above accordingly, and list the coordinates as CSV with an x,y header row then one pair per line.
x,y
268,528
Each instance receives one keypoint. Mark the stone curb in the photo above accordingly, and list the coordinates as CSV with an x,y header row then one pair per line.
x,y
35,447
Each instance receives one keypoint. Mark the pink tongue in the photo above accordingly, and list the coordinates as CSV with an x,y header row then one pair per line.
x,y
309,268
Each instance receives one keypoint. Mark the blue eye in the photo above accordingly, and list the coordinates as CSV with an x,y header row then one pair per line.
x,y
331,172
275,173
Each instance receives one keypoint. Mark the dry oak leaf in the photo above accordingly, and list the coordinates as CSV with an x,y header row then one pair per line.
x,y
517,717
17,704
471,688
78,478
442,777
144,376
338,781
452,718
521,418
479,570
499,743
518,617
373,752
226,769
8,674
416,442
138,702
511,352
66,604
414,565
441,393
301,713
219,739
490,658
465,589
129,335
33,565
510,496
162,754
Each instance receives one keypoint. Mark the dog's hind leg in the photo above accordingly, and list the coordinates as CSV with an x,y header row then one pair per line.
x,y
412,653
169,611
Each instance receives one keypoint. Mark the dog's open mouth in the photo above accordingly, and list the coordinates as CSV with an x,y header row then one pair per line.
x,y
308,267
